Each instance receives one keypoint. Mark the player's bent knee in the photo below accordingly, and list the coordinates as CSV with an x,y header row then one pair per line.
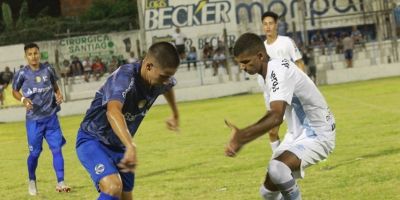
x,y
35,153
278,171
111,184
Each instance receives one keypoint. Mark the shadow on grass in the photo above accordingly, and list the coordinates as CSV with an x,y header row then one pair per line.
x,y
170,169
362,157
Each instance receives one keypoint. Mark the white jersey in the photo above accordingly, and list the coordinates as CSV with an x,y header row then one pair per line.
x,y
179,38
306,107
282,47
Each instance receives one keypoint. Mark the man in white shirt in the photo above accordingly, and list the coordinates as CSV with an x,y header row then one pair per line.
x,y
277,47
310,137
179,39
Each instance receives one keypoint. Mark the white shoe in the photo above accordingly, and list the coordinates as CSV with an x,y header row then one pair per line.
x,y
61,187
32,190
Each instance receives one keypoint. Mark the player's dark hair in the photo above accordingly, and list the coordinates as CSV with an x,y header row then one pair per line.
x,y
270,14
249,43
165,53
30,46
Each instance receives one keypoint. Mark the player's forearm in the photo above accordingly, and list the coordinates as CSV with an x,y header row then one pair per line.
x,y
56,88
266,123
118,124
170,97
17,95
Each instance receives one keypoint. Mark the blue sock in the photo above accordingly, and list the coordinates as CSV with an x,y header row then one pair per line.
x,y
104,196
32,165
58,164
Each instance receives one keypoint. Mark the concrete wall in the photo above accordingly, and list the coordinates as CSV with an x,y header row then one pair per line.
x,y
226,88
182,94
102,45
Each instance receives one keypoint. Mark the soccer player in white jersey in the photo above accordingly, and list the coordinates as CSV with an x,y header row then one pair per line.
x,y
310,137
277,47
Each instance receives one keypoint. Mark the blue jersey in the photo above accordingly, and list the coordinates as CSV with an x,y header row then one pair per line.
x,y
38,87
127,86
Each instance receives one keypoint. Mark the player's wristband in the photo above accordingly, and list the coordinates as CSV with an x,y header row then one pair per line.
x,y
22,99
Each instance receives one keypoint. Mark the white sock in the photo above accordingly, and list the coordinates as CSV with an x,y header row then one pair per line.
x,y
281,175
275,144
270,195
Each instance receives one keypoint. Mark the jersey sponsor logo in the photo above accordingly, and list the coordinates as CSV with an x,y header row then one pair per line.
x,y
285,63
38,90
99,168
129,88
274,81
131,117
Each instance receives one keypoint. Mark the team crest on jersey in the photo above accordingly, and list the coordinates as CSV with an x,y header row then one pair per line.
x,y
38,79
142,103
129,117
99,168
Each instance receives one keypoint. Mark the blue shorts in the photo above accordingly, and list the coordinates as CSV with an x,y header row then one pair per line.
x,y
101,161
348,54
48,128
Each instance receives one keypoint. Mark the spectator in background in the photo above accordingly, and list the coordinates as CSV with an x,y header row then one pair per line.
x,y
132,58
339,44
282,26
219,59
98,68
220,45
318,41
179,39
348,46
309,60
65,70
192,57
87,68
357,37
207,53
76,66
5,79
6,76
113,64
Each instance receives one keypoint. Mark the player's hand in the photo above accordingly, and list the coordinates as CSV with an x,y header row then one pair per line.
x,y
59,98
27,103
233,146
173,123
129,162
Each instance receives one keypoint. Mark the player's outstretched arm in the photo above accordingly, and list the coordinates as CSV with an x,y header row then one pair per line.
x,y
118,124
26,101
240,137
173,121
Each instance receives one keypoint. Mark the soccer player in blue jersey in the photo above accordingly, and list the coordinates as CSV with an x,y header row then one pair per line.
x,y
42,98
104,143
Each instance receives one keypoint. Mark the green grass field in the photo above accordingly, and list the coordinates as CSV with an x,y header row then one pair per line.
x,y
191,164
